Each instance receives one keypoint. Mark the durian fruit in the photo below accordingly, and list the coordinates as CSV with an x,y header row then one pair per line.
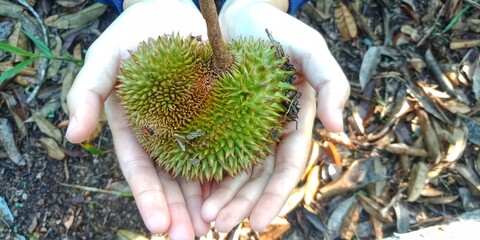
x,y
201,123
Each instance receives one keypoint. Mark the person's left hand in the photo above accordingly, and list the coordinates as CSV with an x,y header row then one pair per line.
x,y
260,194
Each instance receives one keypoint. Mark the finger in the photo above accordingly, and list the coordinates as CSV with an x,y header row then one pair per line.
x,y
306,47
242,204
92,86
193,194
180,222
222,194
291,158
139,171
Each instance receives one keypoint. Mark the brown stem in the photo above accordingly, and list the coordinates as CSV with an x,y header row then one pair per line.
x,y
222,58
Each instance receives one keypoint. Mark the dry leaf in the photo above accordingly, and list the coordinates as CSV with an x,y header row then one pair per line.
x,y
314,155
374,209
418,179
471,179
461,43
404,149
418,64
8,142
293,200
412,32
9,9
345,22
455,150
357,175
429,136
69,3
13,105
54,65
438,200
403,217
375,189
19,40
123,234
335,221
332,152
76,19
67,81
370,61
53,150
276,229
350,222
46,127
312,184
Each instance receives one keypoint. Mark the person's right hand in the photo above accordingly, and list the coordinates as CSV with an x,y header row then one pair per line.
x,y
158,196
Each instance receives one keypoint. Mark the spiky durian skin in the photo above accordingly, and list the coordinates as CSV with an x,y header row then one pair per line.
x,y
217,124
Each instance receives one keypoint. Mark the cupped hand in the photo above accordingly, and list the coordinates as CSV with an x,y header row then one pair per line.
x,y
262,193
160,200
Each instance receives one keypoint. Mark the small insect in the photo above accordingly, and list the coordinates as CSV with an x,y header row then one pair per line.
x,y
180,140
194,161
146,131
195,134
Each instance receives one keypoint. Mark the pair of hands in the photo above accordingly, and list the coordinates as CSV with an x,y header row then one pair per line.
x,y
186,208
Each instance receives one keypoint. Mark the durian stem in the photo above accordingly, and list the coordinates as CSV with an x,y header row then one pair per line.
x,y
222,58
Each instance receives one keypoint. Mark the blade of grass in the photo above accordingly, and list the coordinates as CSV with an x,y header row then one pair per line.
x,y
14,50
455,19
11,72
40,45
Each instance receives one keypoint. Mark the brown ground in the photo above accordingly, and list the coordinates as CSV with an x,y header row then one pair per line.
x,y
437,185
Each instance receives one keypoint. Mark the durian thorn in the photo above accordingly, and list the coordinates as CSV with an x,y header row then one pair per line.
x,y
222,58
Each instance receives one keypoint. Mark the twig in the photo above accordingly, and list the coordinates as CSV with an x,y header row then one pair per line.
x,y
222,58
42,70
97,190
430,31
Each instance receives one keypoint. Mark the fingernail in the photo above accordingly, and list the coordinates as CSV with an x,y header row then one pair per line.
x,y
71,125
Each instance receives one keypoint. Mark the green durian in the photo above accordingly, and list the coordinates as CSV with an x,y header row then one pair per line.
x,y
197,122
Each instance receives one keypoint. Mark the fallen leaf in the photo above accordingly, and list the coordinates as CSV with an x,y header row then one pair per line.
x,y
332,152
370,62
77,19
357,175
350,222
345,21
8,142
293,200
67,81
53,150
374,209
417,181
276,229
429,136
312,184
404,149
335,221
70,3
471,179
402,214
16,111
461,43
442,200
9,9
46,127
123,234
456,150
